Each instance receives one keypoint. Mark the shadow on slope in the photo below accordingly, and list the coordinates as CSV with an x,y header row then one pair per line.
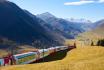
x,y
53,57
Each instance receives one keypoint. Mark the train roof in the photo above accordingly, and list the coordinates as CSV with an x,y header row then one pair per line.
x,y
57,47
60,46
51,48
41,50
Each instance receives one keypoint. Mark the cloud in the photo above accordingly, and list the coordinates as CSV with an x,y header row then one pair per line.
x,y
101,1
78,3
82,2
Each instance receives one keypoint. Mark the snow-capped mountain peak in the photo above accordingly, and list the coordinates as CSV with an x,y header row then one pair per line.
x,y
79,20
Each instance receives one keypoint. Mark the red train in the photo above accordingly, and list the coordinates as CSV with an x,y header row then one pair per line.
x,y
26,58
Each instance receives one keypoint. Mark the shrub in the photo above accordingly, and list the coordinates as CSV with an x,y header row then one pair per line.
x,y
100,42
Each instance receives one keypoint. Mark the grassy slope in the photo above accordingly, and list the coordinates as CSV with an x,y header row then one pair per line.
x,y
3,53
93,35
86,58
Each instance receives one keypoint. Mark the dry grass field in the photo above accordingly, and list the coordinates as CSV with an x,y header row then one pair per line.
x,y
20,49
3,53
70,42
91,36
26,48
82,58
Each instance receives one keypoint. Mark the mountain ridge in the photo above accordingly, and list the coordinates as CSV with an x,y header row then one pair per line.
x,y
17,25
66,28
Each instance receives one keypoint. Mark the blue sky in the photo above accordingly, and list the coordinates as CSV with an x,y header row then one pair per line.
x,y
88,9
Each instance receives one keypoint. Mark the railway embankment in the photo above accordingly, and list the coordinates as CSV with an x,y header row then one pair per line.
x,y
83,58
53,57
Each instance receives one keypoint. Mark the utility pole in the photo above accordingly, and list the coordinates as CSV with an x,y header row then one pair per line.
x,y
43,53
13,48
42,44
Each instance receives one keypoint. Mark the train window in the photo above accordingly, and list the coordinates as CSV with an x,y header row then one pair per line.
x,y
0,63
26,58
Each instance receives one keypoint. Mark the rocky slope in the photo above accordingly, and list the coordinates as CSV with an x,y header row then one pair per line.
x,y
18,26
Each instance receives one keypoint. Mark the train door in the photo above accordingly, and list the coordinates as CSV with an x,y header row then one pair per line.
x,y
37,55
1,62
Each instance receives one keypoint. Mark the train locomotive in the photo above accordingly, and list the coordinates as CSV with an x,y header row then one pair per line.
x,y
29,57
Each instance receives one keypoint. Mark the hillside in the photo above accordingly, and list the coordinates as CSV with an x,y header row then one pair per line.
x,y
58,37
64,27
98,23
3,53
94,35
18,26
86,58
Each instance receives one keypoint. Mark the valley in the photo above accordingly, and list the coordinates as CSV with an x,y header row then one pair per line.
x,y
52,38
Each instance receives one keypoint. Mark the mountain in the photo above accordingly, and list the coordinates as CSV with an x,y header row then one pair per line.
x,y
48,28
83,21
3,0
46,16
95,34
18,26
85,25
62,26
99,28
98,23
